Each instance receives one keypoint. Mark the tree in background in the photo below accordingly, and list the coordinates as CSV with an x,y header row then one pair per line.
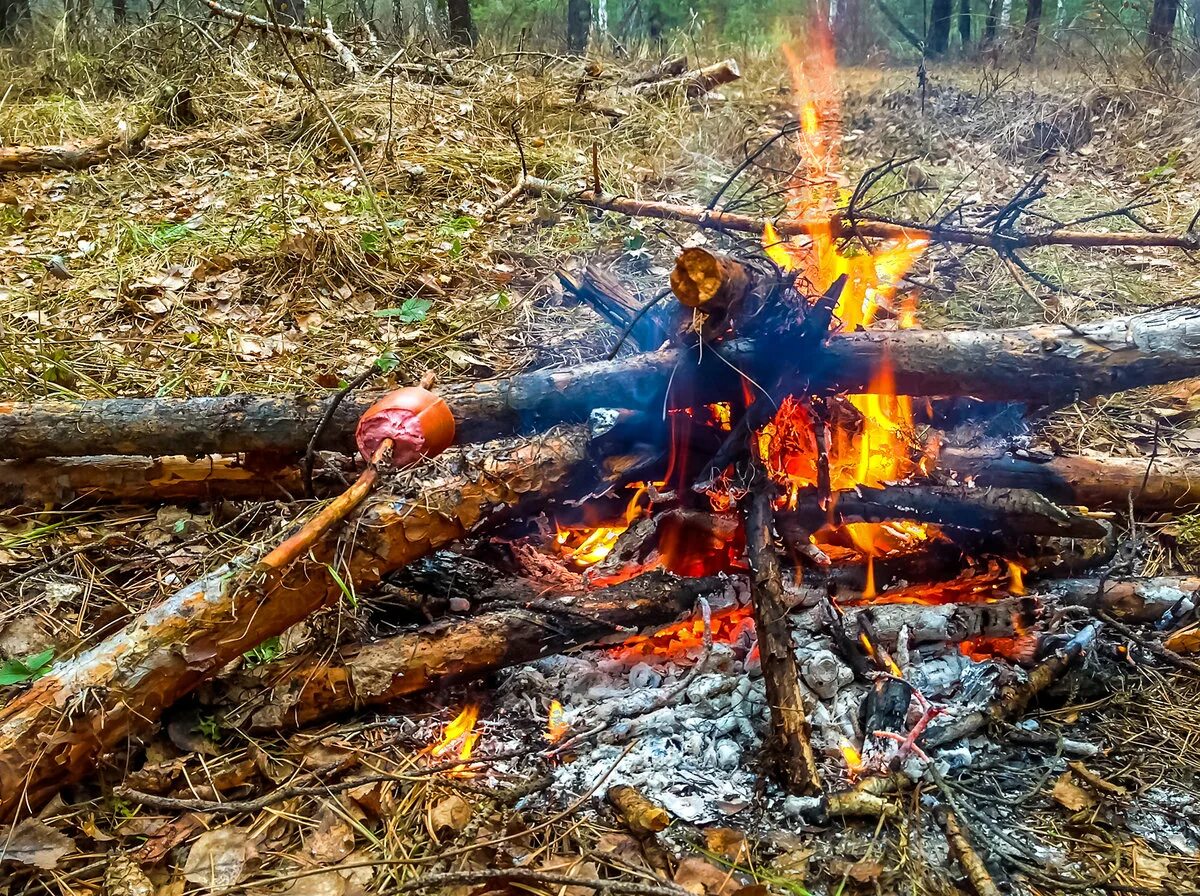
x,y
941,14
1162,26
290,11
13,14
1033,23
462,26
964,22
579,25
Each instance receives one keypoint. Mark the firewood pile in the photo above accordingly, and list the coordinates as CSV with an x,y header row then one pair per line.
x,y
760,543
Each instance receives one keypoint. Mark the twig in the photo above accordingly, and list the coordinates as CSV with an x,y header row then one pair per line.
x,y
522,875
310,450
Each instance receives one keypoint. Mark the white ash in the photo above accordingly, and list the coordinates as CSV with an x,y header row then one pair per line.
x,y
1167,818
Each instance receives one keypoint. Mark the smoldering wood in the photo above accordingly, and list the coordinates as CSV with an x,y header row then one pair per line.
x,y
1040,365
1160,483
986,510
934,623
53,734
521,626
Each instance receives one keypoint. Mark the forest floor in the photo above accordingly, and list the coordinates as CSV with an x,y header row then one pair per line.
x,y
257,260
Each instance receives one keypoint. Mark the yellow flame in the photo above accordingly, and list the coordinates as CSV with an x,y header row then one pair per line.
x,y
1016,579
556,727
852,757
460,733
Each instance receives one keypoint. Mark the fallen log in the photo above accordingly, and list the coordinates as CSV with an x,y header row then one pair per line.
x,y
691,84
52,734
325,35
1132,600
1160,483
841,227
1041,365
73,157
521,627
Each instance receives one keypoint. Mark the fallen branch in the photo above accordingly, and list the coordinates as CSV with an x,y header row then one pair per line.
x,y
691,84
325,35
1041,364
53,734
843,228
73,157
522,627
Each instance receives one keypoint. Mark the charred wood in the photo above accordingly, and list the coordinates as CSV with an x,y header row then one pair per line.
x,y
300,690
52,734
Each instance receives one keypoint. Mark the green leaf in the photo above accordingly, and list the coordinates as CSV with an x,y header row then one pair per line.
x,y
347,591
370,241
387,362
16,671
413,311
263,653
40,662
502,300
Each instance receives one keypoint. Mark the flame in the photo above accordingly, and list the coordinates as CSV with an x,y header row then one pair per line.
x,y
556,727
674,642
587,545
460,733
1016,578
851,756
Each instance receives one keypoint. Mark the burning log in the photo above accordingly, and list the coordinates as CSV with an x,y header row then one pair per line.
x,y
691,84
301,690
709,281
1161,483
790,740
52,734
839,227
986,510
73,157
1043,364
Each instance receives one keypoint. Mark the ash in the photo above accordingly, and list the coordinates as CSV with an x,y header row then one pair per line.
x,y
685,726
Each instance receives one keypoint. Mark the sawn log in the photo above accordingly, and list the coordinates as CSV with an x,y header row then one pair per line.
x,y
52,734
1041,365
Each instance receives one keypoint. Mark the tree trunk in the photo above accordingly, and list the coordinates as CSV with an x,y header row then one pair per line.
x,y
964,22
1040,365
300,690
120,11
462,25
692,84
579,25
990,23
941,14
290,12
1162,26
52,734
1033,24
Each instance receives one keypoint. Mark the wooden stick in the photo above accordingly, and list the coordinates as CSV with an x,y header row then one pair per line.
x,y
691,84
842,228
52,734
790,746
73,157
972,865
325,35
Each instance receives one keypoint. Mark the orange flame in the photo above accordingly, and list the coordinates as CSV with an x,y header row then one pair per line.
x,y
556,727
460,733
674,641
1016,579
852,757
587,545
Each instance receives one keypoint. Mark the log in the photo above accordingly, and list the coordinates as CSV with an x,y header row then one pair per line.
x,y
1004,510
304,689
52,734
691,84
935,623
116,479
73,157
1133,600
1045,365
708,280
842,227
1092,480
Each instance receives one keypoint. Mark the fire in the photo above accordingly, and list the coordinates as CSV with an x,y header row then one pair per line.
x,y
1016,579
851,756
556,727
675,642
587,545
460,734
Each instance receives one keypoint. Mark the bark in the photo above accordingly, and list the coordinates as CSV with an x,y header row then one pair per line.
x,y
790,744
990,23
100,480
941,15
1162,26
579,26
1033,23
993,510
52,734
691,84
934,623
522,627
1044,365
964,22
462,24
1163,483
72,157
670,67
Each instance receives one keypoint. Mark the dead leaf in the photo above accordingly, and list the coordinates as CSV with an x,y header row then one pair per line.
x,y
34,843
1070,795
163,838
332,841
622,847
219,858
327,883
1186,640
571,866
862,870
124,877
726,842
699,876
449,815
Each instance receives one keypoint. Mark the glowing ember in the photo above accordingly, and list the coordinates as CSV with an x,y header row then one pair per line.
x,y
556,728
585,546
1016,578
675,642
459,735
